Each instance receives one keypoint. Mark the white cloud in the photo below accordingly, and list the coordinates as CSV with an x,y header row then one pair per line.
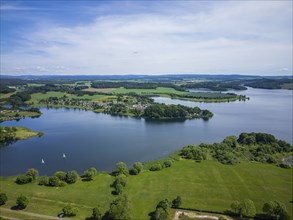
x,y
229,37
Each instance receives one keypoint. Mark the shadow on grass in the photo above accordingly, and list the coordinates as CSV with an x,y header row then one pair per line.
x,y
86,180
16,208
152,215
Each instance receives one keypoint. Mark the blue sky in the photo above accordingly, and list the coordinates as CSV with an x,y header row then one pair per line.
x,y
146,37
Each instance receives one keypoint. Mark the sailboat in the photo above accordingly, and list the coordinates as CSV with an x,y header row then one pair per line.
x,y
64,156
43,161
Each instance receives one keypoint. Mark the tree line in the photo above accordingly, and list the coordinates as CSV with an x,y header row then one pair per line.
x,y
214,86
259,147
134,85
267,83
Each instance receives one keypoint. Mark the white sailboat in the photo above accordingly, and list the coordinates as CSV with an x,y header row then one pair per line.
x,y
64,156
43,161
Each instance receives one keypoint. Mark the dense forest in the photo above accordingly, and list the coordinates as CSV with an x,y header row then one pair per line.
x,y
163,111
267,83
134,85
215,86
260,147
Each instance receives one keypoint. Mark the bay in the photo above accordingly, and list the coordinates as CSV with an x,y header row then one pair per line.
x,y
98,140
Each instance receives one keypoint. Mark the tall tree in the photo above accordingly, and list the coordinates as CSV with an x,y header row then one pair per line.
x,y
33,173
121,168
275,209
22,202
119,209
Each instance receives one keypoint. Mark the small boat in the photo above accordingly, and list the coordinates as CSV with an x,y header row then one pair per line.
x,y
64,156
43,161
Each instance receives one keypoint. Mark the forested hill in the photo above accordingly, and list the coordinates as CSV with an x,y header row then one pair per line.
x,y
270,83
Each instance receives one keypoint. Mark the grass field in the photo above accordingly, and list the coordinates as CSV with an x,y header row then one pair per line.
x,y
105,90
22,133
7,95
95,98
170,92
161,91
149,91
206,186
25,133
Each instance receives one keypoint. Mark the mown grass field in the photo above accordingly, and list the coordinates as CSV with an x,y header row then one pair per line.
x,y
206,186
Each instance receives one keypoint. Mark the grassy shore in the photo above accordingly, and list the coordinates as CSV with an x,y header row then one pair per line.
x,y
23,133
20,133
208,185
10,114
159,90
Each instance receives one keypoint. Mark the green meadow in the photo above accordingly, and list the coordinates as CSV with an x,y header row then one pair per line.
x,y
158,90
206,186
95,98
172,93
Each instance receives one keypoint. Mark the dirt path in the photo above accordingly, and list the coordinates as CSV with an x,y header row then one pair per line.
x,y
178,213
31,214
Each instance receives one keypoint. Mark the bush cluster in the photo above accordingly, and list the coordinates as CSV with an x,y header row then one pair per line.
x,y
60,179
161,165
30,176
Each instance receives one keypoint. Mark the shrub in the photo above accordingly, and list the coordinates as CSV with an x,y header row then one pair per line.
x,y
3,198
133,171
119,180
121,168
71,177
118,189
60,175
244,208
156,167
168,163
62,184
89,174
118,184
43,181
22,202
23,179
69,210
136,168
33,173
54,181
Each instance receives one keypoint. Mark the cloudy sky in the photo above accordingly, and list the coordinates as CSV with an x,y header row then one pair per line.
x,y
146,37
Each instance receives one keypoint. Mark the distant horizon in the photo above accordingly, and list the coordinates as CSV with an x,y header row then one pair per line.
x,y
137,75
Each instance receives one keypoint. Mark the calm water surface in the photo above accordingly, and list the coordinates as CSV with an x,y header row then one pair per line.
x,y
97,140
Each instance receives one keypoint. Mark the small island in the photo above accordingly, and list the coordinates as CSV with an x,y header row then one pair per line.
x,y
10,135
17,113
163,111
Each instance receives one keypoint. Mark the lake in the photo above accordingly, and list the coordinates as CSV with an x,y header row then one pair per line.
x,y
98,140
